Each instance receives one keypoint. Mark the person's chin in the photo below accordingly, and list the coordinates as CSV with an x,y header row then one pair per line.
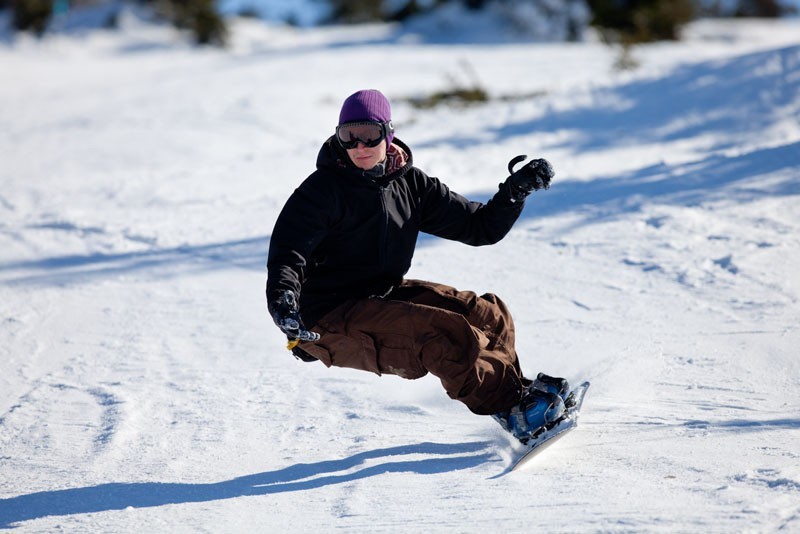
x,y
364,164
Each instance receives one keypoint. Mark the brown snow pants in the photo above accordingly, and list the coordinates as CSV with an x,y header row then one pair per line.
x,y
465,340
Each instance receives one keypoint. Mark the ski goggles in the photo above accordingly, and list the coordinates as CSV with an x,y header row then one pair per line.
x,y
371,134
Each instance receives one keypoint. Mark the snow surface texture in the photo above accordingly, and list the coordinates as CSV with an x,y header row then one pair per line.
x,y
143,386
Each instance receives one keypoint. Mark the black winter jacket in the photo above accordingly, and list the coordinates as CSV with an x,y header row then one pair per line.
x,y
343,235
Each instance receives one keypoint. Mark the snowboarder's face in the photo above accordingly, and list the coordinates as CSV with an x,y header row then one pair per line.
x,y
365,157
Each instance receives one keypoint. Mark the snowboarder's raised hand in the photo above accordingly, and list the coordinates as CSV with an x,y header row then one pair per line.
x,y
286,314
534,175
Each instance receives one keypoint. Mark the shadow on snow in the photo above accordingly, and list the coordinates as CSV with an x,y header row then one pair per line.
x,y
724,97
247,254
766,172
299,477
735,426
762,173
720,99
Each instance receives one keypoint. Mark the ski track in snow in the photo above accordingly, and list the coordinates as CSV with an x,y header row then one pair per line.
x,y
142,385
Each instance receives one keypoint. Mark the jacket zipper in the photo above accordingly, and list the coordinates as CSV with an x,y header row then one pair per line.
x,y
384,231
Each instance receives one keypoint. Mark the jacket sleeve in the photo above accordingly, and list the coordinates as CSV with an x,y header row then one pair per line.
x,y
299,229
449,215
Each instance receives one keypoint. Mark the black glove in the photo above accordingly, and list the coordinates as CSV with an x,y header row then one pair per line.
x,y
534,175
286,314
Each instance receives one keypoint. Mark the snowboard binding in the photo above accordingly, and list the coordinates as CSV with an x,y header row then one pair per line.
x,y
542,407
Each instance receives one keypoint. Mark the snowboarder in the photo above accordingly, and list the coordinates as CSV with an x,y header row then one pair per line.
x,y
343,243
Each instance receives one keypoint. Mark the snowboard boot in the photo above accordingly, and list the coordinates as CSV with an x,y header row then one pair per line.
x,y
551,384
531,416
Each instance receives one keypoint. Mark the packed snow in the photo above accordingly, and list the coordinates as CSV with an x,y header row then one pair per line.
x,y
143,386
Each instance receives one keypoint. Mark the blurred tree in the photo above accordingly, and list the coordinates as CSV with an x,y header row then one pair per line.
x,y
637,21
413,7
475,4
33,15
544,19
761,8
746,8
200,17
357,11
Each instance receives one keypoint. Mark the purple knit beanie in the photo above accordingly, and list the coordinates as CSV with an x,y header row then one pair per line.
x,y
367,105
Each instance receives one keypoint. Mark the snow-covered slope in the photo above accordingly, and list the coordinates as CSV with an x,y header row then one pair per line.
x,y
143,386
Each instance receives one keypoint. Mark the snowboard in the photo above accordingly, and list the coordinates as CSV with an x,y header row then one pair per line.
x,y
556,431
